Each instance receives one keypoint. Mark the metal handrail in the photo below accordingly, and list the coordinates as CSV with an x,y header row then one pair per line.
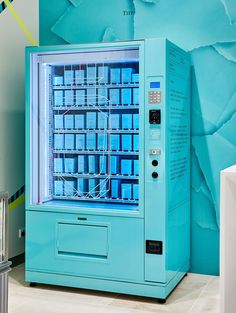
x,y
4,203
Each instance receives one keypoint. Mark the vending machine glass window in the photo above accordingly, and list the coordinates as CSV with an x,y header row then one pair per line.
x,y
87,106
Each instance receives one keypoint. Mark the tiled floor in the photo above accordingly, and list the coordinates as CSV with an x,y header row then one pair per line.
x,y
195,294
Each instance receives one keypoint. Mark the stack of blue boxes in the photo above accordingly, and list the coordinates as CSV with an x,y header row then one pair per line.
x,y
70,165
91,120
129,191
57,80
103,72
68,77
103,188
102,96
91,96
114,95
58,98
81,187
102,143
79,121
69,97
102,120
80,97
93,187
59,187
91,75
126,75
58,165
58,121
82,168
115,75
80,77
114,165
92,164
69,121
69,142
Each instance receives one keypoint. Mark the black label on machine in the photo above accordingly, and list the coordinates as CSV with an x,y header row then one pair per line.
x,y
154,247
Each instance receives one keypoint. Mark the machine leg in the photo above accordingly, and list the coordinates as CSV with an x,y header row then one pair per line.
x,y
161,301
32,284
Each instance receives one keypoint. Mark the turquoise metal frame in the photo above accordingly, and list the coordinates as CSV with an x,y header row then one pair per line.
x,y
94,247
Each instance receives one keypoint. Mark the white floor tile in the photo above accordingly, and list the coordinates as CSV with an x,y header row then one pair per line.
x,y
195,294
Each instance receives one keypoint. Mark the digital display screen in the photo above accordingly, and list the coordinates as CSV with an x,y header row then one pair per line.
x,y
155,85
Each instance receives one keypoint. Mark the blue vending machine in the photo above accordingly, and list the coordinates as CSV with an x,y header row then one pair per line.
x,y
107,183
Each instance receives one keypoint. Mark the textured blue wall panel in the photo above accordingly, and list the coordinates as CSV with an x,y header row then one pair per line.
x,y
205,28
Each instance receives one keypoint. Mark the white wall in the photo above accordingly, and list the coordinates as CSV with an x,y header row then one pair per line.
x,y
12,45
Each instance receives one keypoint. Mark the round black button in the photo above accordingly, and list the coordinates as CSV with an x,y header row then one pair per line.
x,y
154,174
154,162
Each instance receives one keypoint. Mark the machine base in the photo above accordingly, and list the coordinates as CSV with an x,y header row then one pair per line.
x,y
146,289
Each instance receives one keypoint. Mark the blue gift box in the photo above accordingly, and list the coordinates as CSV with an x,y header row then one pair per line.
x,y
136,170
93,187
115,189
103,188
114,96
59,141
136,121
91,75
58,98
103,164
91,142
70,187
81,164
102,96
79,121
135,96
80,97
92,166
115,142
127,121
79,77
135,78
135,192
58,165
69,121
69,97
114,121
70,165
102,142
103,74
59,187
91,96
91,120
126,142
126,191
80,141
81,187
69,77
126,167
114,165
58,121
115,75
69,142
135,142
126,96
126,75
102,120
57,80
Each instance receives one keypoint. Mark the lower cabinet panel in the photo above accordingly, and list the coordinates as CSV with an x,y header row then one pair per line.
x,y
98,246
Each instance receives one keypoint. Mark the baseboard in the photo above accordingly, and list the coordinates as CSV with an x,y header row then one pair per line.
x,y
17,260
